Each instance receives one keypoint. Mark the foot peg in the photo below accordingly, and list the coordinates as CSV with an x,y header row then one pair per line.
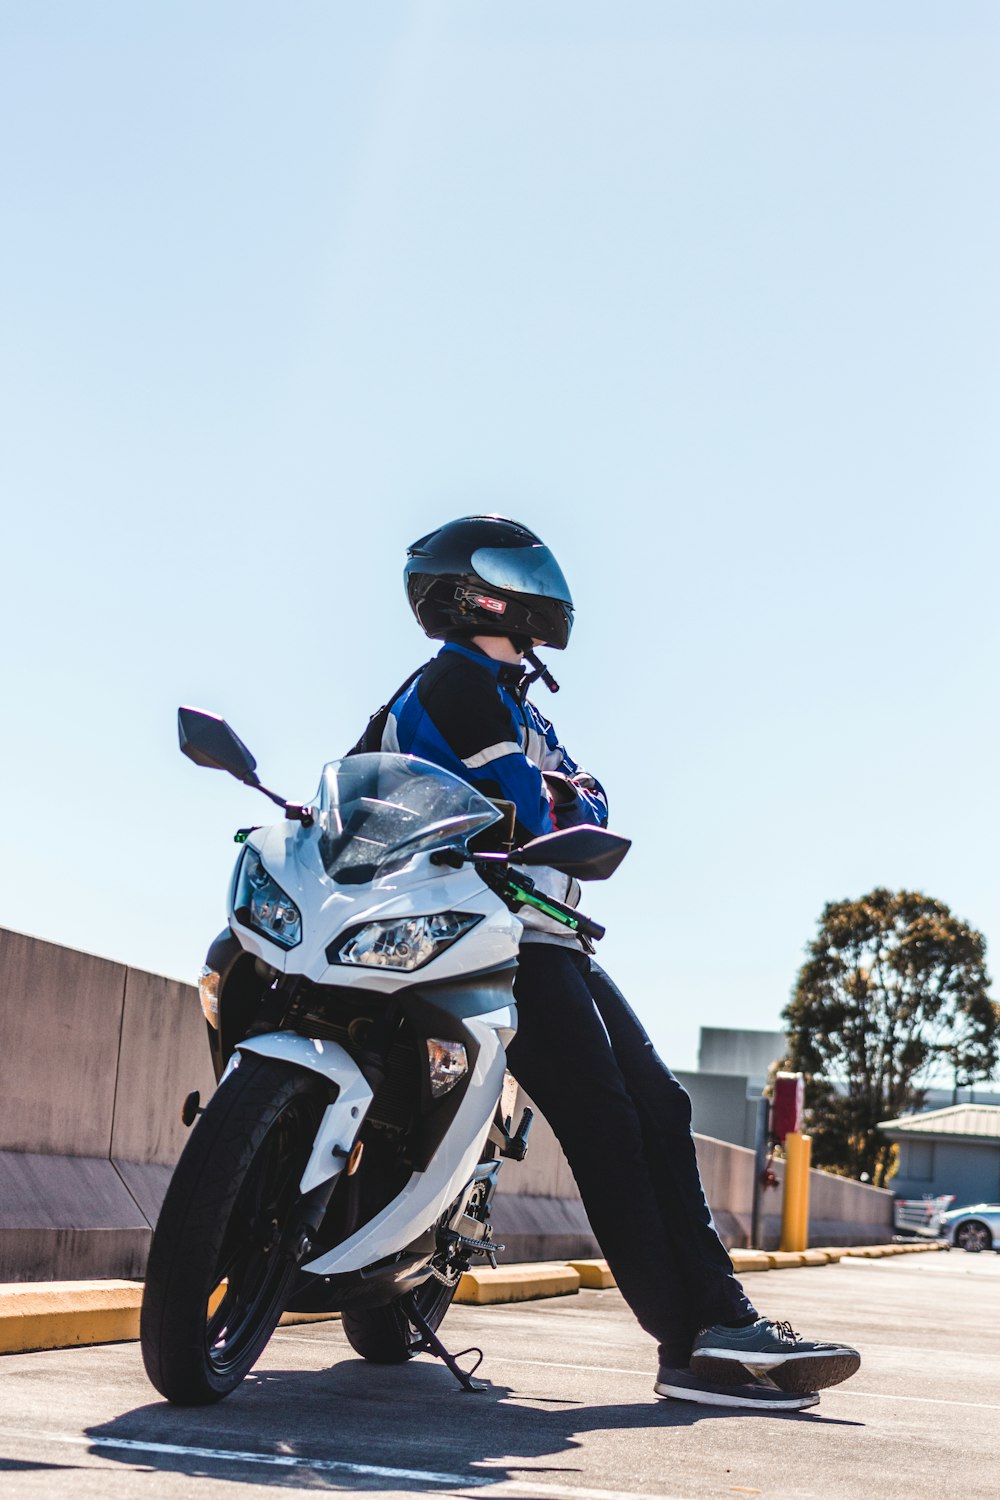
x,y
486,1246
516,1145
430,1344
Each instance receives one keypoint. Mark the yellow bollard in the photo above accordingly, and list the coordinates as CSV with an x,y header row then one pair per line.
x,y
795,1203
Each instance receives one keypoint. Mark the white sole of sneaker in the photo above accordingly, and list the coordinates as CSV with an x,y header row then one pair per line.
x,y
779,1402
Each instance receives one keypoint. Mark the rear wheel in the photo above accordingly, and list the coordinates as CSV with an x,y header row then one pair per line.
x,y
384,1334
222,1260
973,1236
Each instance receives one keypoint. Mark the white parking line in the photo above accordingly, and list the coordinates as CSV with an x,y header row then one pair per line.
x,y
551,1364
228,1455
923,1400
498,1487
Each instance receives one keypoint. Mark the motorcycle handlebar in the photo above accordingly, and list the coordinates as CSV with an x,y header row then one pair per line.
x,y
519,891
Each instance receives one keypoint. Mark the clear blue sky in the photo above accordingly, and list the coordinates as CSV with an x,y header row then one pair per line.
x,y
707,294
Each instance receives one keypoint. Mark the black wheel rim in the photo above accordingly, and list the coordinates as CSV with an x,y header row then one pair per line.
x,y
256,1261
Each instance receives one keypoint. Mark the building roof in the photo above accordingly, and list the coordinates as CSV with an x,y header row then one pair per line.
x,y
972,1121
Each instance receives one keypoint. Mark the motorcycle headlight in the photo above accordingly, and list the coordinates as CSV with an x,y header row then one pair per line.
x,y
260,903
402,943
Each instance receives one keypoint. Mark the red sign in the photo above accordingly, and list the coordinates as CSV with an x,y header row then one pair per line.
x,y
787,1104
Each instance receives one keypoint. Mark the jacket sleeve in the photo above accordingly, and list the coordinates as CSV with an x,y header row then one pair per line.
x,y
466,710
583,800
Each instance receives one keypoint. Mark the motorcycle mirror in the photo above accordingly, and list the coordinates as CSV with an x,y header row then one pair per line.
x,y
208,741
585,853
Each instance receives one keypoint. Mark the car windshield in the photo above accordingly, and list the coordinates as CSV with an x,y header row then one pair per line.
x,y
373,811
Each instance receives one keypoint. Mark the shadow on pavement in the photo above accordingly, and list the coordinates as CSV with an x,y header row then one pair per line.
x,y
25,1465
412,1419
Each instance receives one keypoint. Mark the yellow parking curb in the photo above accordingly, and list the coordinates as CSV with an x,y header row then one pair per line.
x,y
750,1260
58,1314
593,1273
517,1283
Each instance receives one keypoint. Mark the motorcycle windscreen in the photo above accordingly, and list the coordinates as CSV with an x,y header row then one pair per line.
x,y
374,811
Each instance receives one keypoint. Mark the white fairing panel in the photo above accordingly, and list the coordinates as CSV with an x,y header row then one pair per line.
x,y
428,1194
343,1118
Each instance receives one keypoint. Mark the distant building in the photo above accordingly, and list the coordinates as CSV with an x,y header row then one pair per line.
x,y
940,1098
733,1067
722,1105
732,1070
748,1052
953,1150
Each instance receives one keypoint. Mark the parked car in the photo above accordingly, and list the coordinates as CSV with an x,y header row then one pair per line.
x,y
975,1228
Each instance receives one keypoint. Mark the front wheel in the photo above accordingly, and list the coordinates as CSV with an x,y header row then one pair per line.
x,y
973,1236
221,1263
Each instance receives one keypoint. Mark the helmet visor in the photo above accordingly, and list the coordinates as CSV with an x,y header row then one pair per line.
x,y
522,570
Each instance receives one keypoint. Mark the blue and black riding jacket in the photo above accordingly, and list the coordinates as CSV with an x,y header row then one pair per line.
x,y
469,714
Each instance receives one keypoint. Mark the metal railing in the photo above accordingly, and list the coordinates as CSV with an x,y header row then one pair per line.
x,y
921,1215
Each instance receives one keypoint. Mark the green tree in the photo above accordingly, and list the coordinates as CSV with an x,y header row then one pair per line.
x,y
894,991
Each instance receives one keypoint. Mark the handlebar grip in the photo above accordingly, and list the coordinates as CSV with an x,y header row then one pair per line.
x,y
590,929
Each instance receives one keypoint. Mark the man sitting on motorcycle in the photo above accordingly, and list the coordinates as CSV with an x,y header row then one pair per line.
x,y
491,591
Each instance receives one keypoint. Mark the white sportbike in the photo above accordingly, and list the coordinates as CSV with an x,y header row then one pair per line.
x,y
358,1006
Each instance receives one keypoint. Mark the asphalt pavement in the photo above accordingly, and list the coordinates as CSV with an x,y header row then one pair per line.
x,y
569,1413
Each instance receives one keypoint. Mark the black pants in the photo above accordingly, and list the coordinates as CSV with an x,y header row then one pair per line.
x,y
624,1123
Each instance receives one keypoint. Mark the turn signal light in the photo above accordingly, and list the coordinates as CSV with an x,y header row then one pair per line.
x,y
208,994
447,1063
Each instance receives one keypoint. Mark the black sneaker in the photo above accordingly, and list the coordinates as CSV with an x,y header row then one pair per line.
x,y
773,1350
752,1395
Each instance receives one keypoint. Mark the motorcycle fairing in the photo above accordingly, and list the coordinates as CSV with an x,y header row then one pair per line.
x,y
429,1193
420,888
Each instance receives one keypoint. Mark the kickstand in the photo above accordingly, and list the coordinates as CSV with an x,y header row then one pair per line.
x,y
431,1344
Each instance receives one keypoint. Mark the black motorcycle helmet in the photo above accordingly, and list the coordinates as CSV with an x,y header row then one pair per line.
x,y
485,575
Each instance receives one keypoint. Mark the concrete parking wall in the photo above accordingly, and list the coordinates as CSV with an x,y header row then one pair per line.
x,y
841,1211
95,1059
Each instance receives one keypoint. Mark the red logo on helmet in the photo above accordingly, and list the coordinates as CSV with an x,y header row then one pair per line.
x,y
495,606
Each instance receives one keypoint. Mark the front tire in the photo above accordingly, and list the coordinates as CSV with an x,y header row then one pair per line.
x,y
220,1264
974,1236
